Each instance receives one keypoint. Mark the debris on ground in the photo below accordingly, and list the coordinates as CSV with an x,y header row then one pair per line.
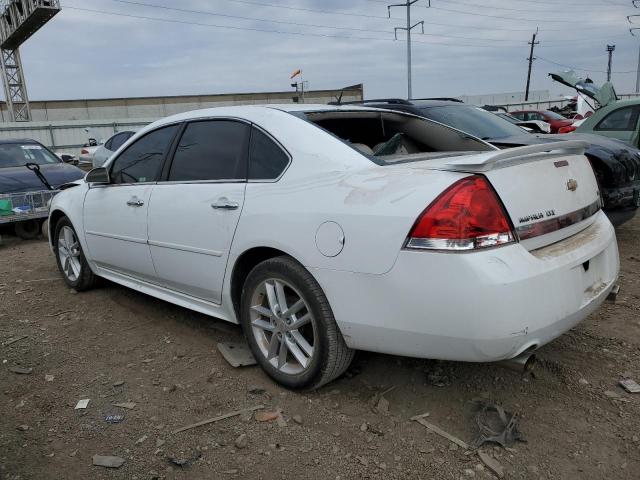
x,y
496,425
82,404
184,462
14,340
491,463
21,370
114,418
256,390
297,419
267,416
217,419
630,385
49,378
108,461
127,405
421,420
22,428
611,394
237,354
141,439
438,378
118,383
242,441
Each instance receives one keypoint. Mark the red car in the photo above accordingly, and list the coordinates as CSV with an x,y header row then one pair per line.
x,y
555,120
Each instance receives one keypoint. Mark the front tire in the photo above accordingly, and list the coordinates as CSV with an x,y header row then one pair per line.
x,y
289,325
70,258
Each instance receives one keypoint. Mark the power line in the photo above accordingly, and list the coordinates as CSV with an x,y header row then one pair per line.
x,y
589,70
298,24
537,20
236,28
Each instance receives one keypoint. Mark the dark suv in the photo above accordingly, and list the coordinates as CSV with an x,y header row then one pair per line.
x,y
616,164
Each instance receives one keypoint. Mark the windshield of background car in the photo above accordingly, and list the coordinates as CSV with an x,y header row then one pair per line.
x,y
19,154
473,120
554,115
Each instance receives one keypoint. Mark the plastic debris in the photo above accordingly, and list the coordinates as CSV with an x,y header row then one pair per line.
x,y
127,405
217,419
21,370
114,418
184,462
630,386
108,461
496,425
237,354
491,463
82,404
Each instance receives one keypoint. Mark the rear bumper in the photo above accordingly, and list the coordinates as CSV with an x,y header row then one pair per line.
x,y
478,307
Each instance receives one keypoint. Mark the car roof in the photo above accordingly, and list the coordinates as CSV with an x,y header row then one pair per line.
x,y
8,141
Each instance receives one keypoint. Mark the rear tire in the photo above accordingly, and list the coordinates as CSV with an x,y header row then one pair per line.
x,y
28,230
314,351
70,258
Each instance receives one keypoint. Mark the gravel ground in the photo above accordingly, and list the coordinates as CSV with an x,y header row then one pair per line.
x,y
114,345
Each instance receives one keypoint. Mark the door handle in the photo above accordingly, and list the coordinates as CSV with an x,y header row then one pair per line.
x,y
135,202
224,204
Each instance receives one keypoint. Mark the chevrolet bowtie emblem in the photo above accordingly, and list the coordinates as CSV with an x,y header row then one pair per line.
x,y
572,185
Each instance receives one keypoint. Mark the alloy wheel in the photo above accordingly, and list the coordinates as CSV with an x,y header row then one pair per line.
x,y
69,253
283,326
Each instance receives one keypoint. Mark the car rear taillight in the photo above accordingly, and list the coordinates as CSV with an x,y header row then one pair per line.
x,y
567,129
84,151
466,216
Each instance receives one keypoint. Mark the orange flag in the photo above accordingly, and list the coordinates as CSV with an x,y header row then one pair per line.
x,y
296,73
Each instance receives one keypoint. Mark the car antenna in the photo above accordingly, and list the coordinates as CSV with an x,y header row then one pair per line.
x,y
35,168
339,97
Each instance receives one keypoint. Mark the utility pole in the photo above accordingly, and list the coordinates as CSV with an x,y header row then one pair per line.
x,y
531,58
610,50
631,30
408,29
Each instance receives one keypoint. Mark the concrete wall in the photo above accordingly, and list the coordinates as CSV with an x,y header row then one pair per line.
x,y
158,107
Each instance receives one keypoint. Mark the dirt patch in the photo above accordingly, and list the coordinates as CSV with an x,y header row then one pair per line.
x,y
113,345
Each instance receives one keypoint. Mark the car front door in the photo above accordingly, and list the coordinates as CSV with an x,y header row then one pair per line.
x,y
194,212
115,215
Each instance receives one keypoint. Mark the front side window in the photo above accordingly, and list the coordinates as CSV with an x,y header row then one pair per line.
x,y
142,161
266,159
622,119
211,150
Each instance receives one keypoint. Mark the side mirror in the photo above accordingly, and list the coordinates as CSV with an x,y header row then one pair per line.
x,y
98,175
66,158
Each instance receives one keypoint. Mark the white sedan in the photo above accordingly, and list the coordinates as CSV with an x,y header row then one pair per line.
x,y
323,229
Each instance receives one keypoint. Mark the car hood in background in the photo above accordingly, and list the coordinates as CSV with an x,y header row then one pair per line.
x,y
21,179
622,161
604,95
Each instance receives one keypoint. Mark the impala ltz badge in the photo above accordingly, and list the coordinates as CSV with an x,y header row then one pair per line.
x,y
572,184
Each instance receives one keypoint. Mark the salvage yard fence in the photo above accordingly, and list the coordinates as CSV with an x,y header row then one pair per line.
x,y
547,104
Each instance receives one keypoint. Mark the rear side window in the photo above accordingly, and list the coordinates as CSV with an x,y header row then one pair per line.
x,y
623,119
211,150
118,140
142,161
267,160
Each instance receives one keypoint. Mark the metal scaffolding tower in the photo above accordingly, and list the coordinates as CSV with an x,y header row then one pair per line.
x,y
19,19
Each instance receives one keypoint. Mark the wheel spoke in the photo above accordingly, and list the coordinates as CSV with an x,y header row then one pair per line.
x,y
282,355
68,237
273,347
295,308
271,297
265,312
264,325
282,299
300,340
298,354
300,322
75,266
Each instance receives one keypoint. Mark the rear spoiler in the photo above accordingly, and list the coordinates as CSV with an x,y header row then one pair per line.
x,y
484,162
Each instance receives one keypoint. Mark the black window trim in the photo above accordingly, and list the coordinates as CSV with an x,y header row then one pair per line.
x,y
164,160
278,144
635,114
164,177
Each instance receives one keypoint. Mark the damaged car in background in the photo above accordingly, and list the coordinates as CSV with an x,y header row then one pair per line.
x,y
322,230
30,175
616,164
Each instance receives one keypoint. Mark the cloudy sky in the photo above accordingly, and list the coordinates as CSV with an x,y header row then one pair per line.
x,y
225,46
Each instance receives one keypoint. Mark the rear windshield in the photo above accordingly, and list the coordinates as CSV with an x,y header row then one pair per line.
x,y
19,154
554,115
473,120
384,136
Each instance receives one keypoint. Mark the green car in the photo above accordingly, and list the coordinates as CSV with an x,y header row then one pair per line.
x,y
614,118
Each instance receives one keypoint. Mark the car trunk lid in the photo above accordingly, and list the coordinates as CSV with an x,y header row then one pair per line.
x,y
604,95
549,191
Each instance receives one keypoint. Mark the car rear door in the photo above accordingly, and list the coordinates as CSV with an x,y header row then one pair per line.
x,y
621,123
115,215
194,213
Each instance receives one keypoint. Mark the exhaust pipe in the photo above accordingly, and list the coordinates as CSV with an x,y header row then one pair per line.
x,y
523,363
